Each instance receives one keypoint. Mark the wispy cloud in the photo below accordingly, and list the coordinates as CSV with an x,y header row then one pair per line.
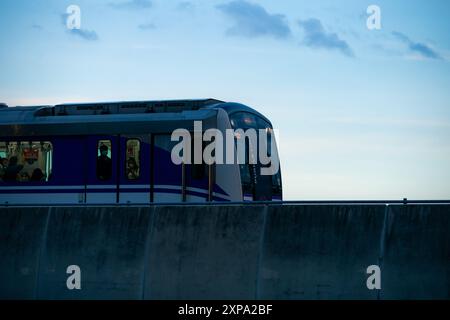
x,y
252,20
147,26
317,37
421,49
89,35
132,4
185,6
37,27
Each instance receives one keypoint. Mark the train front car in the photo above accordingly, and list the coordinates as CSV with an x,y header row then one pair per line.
x,y
257,160
122,153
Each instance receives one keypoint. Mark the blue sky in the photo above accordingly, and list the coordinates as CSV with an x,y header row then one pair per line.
x,y
362,114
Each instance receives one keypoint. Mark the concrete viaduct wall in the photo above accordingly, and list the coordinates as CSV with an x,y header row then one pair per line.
x,y
226,252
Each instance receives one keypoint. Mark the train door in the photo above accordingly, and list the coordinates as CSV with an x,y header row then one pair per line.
x,y
197,183
263,183
102,170
167,178
263,186
255,185
134,168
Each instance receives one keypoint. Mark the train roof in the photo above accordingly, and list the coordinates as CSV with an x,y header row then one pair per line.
x,y
84,118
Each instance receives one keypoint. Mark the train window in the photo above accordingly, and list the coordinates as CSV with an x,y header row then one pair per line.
x,y
247,186
243,120
262,124
276,184
132,157
198,171
104,162
25,161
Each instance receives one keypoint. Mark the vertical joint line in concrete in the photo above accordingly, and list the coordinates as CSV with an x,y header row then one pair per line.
x,y
260,254
383,237
149,235
40,253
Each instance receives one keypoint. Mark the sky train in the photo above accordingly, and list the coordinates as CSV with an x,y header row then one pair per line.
x,y
120,153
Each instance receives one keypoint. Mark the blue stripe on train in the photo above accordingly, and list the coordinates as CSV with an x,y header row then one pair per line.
x,y
146,190
188,192
43,190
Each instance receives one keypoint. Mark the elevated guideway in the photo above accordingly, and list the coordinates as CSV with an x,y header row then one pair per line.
x,y
290,250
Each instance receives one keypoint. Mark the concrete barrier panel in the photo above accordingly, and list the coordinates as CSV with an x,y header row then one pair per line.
x,y
416,262
204,252
21,234
319,252
108,244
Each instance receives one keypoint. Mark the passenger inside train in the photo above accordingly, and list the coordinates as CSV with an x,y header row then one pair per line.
x,y
104,163
132,159
13,170
132,169
25,161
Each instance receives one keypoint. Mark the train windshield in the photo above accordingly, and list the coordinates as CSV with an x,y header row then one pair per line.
x,y
254,185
